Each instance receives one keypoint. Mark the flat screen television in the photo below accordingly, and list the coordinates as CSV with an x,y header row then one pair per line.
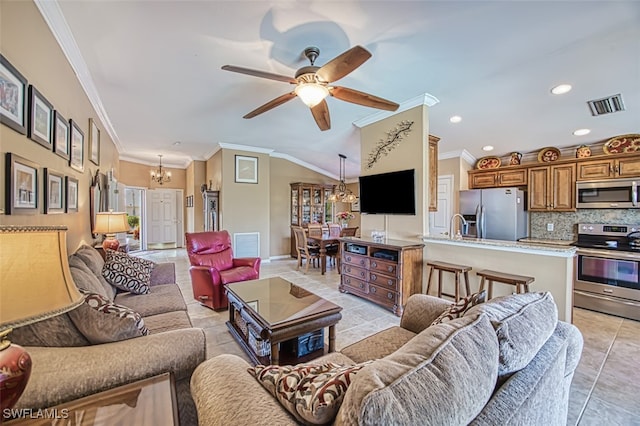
x,y
388,193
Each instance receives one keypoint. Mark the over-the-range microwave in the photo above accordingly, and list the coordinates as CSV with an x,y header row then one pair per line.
x,y
608,194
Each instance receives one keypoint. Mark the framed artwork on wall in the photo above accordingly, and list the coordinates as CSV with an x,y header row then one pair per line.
x,y
246,169
94,142
71,194
21,191
76,160
13,111
60,135
54,192
355,206
40,122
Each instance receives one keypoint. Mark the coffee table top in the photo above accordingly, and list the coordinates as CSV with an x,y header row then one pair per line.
x,y
277,301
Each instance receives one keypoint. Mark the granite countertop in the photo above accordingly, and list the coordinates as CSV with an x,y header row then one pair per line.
x,y
546,241
561,247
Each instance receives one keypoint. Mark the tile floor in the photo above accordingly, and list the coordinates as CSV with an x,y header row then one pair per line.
x,y
605,385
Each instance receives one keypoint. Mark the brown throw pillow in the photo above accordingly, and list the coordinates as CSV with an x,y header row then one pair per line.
x,y
102,321
457,310
128,273
312,393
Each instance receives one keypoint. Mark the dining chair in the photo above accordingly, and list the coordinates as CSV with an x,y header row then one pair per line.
x,y
349,232
335,230
310,252
315,230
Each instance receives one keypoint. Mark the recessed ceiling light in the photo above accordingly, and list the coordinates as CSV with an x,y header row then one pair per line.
x,y
582,132
176,143
561,89
487,148
455,119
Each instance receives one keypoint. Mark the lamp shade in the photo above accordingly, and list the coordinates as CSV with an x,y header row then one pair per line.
x,y
35,280
110,223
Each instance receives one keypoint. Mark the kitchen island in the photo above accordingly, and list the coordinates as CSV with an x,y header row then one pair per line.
x,y
552,265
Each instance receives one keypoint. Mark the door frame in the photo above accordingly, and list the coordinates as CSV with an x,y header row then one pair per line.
x,y
450,198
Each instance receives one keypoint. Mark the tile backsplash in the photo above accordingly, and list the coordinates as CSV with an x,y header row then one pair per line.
x,y
565,223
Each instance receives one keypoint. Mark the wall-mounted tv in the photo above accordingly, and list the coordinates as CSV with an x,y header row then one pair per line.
x,y
388,193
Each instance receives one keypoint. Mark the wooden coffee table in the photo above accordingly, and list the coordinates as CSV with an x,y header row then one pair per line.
x,y
267,312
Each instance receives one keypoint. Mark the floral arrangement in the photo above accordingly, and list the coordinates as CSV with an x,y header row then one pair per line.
x,y
345,215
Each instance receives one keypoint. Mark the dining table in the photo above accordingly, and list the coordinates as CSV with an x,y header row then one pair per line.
x,y
323,242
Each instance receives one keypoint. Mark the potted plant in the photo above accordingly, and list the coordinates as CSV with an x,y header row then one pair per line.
x,y
134,222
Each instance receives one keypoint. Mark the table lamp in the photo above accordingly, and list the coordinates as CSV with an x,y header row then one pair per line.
x,y
109,223
35,284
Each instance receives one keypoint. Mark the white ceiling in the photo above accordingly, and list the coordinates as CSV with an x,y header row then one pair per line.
x,y
155,67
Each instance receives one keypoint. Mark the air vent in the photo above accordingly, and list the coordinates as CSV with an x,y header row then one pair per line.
x,y
606,105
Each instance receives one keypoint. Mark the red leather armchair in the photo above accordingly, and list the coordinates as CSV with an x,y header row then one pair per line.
x,y
213,266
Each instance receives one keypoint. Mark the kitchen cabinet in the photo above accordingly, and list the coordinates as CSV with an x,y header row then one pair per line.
x,y
386,274
497,178
433,173
309,204
552,188
609,168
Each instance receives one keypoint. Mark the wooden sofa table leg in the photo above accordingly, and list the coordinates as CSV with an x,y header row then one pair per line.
x,y
332,338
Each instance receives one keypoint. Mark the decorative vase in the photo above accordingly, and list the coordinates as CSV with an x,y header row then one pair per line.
x,y
344,223
515,159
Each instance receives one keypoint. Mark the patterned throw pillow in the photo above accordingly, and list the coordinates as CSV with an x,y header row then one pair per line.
x,y
102,321
312,393
128,273
457,310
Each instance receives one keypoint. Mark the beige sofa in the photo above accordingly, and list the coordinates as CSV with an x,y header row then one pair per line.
x,y
80,368
506,361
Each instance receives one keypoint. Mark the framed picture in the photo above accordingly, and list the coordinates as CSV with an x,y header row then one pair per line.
x,y
13,87
54,192
60,135
355,206
246,169
21,192
94,142
71,194
40,118
76,158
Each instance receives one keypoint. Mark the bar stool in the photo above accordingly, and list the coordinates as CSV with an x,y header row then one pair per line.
x,y
456,270
521,282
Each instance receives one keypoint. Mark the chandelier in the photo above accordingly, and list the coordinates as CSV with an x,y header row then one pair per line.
x,y
160,176
342,193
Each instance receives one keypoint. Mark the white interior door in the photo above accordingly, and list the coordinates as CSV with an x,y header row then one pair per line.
x,y
439,220
162,218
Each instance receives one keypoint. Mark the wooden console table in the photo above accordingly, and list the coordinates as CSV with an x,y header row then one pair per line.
x,y
150,402
386,273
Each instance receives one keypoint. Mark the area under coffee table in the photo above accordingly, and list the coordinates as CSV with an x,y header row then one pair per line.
x,y
267,312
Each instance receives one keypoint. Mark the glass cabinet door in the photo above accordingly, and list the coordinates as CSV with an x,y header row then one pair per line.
x,y
294,207
317,209
306,205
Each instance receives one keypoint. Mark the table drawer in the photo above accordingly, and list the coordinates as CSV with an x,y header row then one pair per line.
x,y
389,268
389,283
383,295
354,259
359,273
350,283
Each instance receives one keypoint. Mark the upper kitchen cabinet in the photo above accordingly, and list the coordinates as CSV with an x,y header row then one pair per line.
x,y
497,178
552,188
609,168
433,173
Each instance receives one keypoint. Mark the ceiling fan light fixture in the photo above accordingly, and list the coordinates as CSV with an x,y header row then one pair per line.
x,y
311,94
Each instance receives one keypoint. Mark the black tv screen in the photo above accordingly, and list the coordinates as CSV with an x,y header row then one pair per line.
x,y
388,193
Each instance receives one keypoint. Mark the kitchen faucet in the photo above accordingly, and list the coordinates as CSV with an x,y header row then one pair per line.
x,y
464,223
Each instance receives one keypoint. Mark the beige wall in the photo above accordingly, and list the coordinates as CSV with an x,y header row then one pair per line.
x,y
195,177
411,153
139,175
28,44
457,168
214,172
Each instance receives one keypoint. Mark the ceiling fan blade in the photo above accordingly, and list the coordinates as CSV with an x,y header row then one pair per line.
x,y
343,64
271,104
361,98
320,113
261,74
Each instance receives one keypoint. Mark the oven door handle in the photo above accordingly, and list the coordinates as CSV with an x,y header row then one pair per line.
x,y
608,254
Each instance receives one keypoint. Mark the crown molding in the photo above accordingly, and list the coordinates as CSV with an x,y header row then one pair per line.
x,y
247,148
165,163
464,154
424,99
50,11
304,164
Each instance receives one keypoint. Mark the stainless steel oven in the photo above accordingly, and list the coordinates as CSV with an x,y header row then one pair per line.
x,y
607,270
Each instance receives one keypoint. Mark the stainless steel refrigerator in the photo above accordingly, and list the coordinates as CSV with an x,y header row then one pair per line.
x,y
495,213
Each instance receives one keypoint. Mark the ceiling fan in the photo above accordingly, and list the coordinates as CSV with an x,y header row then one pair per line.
x,y
312,85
